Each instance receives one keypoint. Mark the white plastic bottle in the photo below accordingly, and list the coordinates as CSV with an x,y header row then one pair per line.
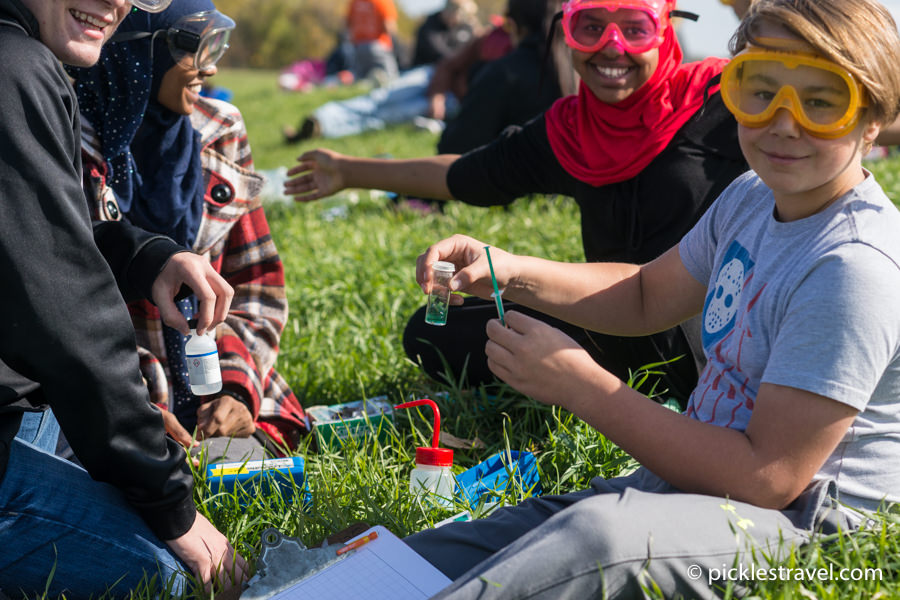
x,y
202,358
432,476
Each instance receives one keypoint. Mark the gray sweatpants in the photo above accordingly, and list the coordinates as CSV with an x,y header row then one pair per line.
x,y
618,537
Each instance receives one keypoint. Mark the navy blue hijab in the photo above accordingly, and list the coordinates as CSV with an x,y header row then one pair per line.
x,y
152,153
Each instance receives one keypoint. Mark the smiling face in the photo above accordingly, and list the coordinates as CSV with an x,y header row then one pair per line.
x,y
180,87
75,30
805,172
612,74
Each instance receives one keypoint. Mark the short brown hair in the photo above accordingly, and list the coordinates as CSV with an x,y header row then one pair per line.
x,y
858,35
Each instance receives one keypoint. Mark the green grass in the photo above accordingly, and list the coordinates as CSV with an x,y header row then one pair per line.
x,y
351,288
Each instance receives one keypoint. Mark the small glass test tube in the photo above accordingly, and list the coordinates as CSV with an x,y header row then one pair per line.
x,y
439,298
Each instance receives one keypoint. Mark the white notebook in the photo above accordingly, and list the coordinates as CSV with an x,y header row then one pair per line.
x,y
382,569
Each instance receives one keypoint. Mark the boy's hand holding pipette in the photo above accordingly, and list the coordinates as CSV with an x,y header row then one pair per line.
x,y
473,274
539,360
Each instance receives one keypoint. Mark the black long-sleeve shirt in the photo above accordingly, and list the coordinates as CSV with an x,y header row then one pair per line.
x,y
66,338
631,221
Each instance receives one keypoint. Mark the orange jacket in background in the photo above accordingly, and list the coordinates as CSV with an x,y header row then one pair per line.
x,y
367,19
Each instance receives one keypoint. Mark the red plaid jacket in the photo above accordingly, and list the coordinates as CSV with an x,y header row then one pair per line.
x,y
234,235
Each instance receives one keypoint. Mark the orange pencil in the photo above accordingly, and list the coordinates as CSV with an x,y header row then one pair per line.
x,y
356,544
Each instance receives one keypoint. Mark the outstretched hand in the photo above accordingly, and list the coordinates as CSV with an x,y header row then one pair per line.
x,y
538,360
473,275
212,291
317,174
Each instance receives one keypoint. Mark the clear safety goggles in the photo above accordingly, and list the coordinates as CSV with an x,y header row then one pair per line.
x,y
195,41
152,6
634,26
199,40
823,98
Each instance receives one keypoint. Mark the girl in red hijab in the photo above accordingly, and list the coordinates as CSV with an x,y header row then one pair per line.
x,y
635,94
644,148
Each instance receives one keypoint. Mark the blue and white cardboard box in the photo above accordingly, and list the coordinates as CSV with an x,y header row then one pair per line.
x,y
261,477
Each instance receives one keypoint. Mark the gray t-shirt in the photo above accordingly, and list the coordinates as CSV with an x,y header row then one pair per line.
x,y
813,304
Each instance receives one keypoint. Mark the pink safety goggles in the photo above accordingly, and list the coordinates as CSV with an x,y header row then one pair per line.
x,y
635,26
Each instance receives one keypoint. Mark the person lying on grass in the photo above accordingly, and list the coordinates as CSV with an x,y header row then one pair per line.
x,y
794,425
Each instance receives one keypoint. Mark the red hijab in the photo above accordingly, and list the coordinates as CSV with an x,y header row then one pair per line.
x,y
600,143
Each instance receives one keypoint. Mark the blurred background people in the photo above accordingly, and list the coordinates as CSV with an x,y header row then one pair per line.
x,y
444,32
511,90
514,88
371,27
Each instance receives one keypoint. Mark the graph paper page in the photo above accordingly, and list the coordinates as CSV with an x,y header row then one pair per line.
x,y
383,569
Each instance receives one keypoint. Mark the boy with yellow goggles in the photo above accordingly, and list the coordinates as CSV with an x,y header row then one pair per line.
x,y
824,98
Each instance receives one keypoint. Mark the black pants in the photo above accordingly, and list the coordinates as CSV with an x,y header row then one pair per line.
x,y
459,345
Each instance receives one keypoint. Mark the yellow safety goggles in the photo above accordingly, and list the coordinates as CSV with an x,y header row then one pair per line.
x,y
823,98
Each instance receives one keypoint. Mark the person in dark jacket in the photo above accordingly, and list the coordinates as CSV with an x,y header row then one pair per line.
x,y
452,75
644,148
507,91
444,32
66,342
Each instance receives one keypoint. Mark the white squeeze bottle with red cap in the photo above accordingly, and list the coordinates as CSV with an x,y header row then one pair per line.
x,y
432,476
202,358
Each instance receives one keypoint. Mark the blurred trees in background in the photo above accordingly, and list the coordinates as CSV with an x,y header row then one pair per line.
x,y
271,34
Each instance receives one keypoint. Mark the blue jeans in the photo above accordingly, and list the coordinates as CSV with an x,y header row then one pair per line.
x,y
400,102
40,429
53,515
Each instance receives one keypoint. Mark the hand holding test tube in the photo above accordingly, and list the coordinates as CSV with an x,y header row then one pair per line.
x,y
467,255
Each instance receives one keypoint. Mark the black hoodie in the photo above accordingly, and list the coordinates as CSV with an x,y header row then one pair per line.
x,y
66,339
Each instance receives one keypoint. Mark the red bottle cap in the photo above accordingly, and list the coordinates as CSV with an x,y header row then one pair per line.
x,y
433,456
437,457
